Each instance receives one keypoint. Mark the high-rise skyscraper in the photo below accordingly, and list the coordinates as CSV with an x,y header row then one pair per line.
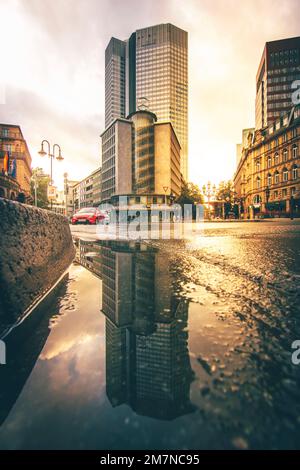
x,y
150,71
147,358
278,69
114,81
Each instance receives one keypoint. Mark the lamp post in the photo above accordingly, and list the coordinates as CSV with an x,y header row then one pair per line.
x,y
292,202
209,192
51,155
66,192
267,191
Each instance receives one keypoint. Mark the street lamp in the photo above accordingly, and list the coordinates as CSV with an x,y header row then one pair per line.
x,y
66,191
51,155
267,191
209,192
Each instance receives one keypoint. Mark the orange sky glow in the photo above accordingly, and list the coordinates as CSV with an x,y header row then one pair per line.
x,y
52,72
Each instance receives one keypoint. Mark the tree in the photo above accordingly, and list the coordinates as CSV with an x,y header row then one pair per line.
x,y
227,194
225,191
41,181
190,194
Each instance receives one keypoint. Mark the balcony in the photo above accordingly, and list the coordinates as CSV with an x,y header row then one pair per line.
x,y
13,155
12,135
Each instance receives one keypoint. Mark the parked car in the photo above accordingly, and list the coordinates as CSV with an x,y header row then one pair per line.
x,y
88,215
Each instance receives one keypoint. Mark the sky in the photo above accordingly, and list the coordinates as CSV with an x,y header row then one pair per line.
x,y
52,72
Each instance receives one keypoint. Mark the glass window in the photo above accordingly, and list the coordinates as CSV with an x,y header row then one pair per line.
x,y
295,172
258,183
269,180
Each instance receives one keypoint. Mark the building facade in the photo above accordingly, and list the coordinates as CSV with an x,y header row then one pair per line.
x,y
278,69
140,159
15,162
267,180
244,144
150,71
114,80
147,361
68,195
87,192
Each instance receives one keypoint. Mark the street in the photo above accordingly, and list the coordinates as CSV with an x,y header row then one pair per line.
x,y
169,344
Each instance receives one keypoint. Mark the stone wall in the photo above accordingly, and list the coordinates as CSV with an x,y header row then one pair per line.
x,y
35,249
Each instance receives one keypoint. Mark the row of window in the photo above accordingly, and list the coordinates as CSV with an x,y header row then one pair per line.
x,y
285,156
283,71
276,160
284,194
277,178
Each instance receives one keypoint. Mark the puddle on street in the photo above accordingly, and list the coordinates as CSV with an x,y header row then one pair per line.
x,y
161,346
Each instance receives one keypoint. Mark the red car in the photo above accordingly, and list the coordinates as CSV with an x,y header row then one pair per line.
x,y
88,215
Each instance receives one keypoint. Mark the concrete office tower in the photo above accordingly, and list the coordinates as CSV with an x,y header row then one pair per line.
x,y
140,157
278,69
156,79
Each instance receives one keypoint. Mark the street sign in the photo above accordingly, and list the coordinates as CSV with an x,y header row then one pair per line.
x,y
51,193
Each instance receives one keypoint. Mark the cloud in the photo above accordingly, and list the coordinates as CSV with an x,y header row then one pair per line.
x,y
53,65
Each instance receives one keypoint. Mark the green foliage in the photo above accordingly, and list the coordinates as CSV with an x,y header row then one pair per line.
x,y
41,180
190,194
225,191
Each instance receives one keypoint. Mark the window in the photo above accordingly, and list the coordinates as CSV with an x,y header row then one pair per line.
x,y
269,162
285,155
8,147
295,151
258,182
269,180
293,191
276,178
275,194
276,159
284,193
5,132
257,166
295,172
285,174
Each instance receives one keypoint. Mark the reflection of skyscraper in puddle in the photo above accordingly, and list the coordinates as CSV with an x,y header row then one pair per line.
x,y
147,361
88,254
